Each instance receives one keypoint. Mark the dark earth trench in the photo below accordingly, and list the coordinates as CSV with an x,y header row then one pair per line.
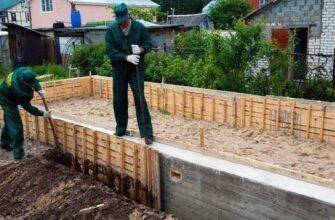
x,y
43,188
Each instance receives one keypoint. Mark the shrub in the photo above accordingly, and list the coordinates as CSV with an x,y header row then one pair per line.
x,y
225,13
88,58
57,70
4,69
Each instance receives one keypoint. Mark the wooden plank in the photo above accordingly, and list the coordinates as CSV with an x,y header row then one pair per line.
x,y
174,102
202,106
250,110
27,127
292,118
64,137
150,95
225,111
264,113
213,108
75,143
158,99
309,114
243,113
192,104
278,115
322,123
135,152
184,103
108,150
95,154
149,167
158,182
122,164
46,131
234,112
37,129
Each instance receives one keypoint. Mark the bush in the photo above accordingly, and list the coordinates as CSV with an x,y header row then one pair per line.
x,y
57,70
4,69
225,13
88,58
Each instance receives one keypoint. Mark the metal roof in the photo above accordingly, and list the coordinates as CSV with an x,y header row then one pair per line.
x,y
5,4
138,3
269,4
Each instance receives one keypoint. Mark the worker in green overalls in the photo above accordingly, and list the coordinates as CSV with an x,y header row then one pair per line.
x,y
17,89
127,41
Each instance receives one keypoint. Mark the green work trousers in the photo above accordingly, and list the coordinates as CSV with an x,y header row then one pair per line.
x,y
12,132
121,78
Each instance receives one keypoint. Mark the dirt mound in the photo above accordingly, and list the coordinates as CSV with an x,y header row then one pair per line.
x,y
42,188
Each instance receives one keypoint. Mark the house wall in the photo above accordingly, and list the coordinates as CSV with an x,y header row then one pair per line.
x,y
22,16
317,15
62,12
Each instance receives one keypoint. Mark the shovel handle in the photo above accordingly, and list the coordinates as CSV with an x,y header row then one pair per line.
x,y
50,122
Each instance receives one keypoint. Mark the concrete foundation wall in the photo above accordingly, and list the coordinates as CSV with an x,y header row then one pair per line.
x,y
205,193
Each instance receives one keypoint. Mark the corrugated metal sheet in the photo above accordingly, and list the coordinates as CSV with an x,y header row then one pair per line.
x,y
138,3
5,4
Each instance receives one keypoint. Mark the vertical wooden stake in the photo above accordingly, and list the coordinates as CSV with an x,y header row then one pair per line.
x,y
27,127
166,100
64,137
202,106
322,123
122,164
184,103
73,84
213,109
149,161
54,90
95,155
107,89
46,130
84,141
264,114
158,97
150,95
75,146
234,109
192,104
308,125
250,110
108,150
224,111
202,138
135,152
292,118
37,127
100,85
243,113
145,174
278,115
174,102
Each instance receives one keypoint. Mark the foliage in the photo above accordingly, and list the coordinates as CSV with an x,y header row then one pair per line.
x,y
225,13
151,14
98,23
183,6
4,69
58,71
88,58
105,69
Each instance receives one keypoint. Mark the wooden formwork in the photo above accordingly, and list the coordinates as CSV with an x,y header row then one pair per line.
x,y
305,119
130,168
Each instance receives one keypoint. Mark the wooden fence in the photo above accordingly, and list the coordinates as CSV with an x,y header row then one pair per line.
x,y
305,119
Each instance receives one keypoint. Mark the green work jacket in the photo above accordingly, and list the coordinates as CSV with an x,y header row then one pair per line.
x,y
14,92
118,46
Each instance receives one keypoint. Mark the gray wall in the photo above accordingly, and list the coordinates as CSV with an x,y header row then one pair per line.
x,y
294,13
204,193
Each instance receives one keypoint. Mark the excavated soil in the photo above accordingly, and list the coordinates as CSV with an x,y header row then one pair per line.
x,y
43,188
276,148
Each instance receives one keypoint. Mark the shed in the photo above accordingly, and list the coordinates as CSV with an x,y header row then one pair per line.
x,y
29,47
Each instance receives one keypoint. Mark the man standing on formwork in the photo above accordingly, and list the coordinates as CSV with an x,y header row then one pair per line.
x,y
127,41
18,89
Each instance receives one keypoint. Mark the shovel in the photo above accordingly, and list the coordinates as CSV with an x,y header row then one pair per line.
x,y
51,123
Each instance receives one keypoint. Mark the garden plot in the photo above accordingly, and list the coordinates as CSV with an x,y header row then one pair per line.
x,y
277,148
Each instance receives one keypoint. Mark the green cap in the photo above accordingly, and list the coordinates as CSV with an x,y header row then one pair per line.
x,y
30,78
121,12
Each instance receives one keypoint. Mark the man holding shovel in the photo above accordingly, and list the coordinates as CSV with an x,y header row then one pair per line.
x,y
18,89
127,41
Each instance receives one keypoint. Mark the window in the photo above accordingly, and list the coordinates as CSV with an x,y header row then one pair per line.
x,y
46,5
13,16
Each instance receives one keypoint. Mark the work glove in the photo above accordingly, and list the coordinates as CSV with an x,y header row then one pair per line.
x,y
41,92
47,114
136,49
134,59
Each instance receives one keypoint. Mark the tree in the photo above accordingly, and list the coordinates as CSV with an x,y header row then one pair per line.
x,y
147,15
225,13
182,6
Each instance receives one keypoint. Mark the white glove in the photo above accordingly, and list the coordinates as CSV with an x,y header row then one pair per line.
x,y
42,93
134,59
136,49
47,114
